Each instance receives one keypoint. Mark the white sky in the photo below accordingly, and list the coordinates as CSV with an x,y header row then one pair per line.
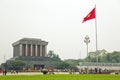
x,y
60,23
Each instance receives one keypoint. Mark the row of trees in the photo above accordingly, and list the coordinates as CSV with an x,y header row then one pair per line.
x,y
13,65
103,57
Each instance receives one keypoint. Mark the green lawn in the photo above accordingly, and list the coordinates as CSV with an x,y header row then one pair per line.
x,y
62,77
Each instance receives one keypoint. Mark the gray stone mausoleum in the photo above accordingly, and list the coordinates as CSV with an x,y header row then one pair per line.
x,y
30,47
33,52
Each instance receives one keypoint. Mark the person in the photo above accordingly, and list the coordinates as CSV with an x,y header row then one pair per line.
x,y
4,72
11,71
99,71
17,71
96,70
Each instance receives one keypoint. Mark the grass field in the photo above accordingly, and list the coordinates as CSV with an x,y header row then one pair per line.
x,y
62,77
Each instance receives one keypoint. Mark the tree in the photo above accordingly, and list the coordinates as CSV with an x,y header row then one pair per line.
x,y
100,53
53,56
115,57
108,57
17,64
72,62
104,56
62,65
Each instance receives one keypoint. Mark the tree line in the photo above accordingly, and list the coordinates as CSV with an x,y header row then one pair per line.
x,y
102,55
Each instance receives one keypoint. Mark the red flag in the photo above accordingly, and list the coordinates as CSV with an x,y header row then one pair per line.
x,y
91,15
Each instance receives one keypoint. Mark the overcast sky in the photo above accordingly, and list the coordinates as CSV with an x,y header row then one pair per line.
x,y
60,23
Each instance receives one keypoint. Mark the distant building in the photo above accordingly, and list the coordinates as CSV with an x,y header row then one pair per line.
x,y
103,66
30,47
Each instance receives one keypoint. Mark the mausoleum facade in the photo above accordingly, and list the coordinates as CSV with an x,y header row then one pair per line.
x,y
30,47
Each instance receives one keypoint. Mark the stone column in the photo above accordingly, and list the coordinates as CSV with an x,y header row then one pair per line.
x,y
26,53
20,50
36,51
31,50
40,50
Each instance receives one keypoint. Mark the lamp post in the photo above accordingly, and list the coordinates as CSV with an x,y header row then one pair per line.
x,y
87,40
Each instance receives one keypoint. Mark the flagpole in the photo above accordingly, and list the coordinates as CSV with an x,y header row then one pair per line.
x,y
96,38
92,15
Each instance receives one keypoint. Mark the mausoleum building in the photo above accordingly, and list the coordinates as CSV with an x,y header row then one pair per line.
x,y
30,47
